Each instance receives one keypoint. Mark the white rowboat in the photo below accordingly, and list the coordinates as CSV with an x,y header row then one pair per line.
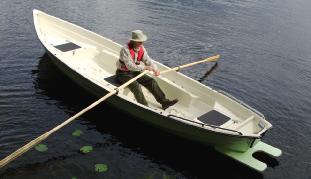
x,y
202,114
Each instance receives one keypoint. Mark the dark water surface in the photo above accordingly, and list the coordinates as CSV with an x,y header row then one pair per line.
x,y
266,62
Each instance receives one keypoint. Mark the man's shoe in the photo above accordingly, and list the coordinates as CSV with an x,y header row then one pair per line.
x,y
168,103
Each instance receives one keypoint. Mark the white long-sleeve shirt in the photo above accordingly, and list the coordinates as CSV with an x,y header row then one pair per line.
x,y
131,65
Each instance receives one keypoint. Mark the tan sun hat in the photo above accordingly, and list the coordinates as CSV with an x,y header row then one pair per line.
x,y
138,36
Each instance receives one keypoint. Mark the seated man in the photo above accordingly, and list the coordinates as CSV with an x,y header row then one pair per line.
x,y
133,60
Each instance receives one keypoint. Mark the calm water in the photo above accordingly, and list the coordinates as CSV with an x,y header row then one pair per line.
x,y
266,62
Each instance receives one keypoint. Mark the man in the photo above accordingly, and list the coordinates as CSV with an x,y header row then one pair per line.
x,y
133,60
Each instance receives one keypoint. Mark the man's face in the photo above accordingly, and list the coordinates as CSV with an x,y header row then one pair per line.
x,y
138,44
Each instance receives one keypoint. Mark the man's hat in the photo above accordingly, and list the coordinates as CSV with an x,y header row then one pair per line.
x,y
138,36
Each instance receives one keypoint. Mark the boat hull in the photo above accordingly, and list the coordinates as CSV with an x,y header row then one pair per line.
x,y
165,123
89,60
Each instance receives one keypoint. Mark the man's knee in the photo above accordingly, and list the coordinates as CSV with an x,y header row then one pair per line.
x,y
135,87
144,80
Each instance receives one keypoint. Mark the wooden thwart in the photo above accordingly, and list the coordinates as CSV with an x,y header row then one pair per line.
x,y
39,139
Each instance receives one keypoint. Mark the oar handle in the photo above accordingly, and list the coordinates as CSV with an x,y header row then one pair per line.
x,y
132,80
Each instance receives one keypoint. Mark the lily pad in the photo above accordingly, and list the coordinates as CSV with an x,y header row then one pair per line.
x,y
77,133
86,149
101,167
41,147
150,176
167,177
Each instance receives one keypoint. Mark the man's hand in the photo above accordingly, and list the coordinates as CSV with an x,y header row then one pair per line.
x,y
155,72
149,68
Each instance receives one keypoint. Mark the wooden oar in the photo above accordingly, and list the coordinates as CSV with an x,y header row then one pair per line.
x,y
39,139
209,59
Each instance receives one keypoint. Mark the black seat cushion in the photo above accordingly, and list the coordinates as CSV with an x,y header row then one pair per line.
x,y
214,118
67,47
113,80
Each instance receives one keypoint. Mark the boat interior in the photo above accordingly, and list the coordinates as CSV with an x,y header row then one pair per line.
x,y
95,57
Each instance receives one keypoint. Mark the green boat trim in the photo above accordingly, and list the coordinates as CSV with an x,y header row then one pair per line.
x,y
247,158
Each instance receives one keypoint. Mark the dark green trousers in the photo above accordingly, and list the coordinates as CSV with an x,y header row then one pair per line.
x,y
148,82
